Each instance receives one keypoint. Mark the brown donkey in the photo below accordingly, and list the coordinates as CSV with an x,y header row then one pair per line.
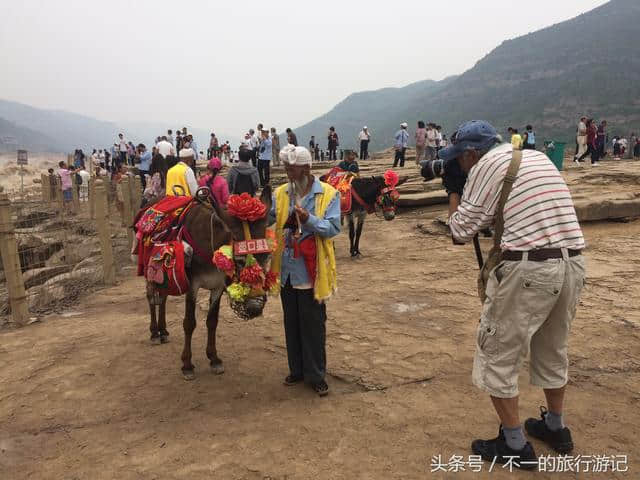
x,y
209,228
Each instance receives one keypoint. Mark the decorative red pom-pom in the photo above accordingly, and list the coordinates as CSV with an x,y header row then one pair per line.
x,y
246,207
251,275
223,263
391,178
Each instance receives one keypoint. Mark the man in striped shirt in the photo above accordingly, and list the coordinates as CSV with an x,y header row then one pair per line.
x,y
533,292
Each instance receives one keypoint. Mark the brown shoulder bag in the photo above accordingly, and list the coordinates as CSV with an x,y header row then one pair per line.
x,y
495,254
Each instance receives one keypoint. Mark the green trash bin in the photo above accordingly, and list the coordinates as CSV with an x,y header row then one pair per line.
x,y
555,151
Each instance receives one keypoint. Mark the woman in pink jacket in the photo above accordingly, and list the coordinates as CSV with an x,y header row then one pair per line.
x,y
218,188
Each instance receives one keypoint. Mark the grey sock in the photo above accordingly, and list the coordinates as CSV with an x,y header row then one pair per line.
x,y
514,437
554,421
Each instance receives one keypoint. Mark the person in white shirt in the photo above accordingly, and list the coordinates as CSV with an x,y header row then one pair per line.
x,y
438,138
84,186
170,136
93,162
365,137
432,142
581,140
101,158
254,142
122,148
165,148
623,145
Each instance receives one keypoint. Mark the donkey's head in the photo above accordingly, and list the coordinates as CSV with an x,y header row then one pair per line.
x,y
386,194
251,249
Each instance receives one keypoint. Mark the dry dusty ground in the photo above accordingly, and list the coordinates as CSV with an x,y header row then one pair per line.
x,y
87,397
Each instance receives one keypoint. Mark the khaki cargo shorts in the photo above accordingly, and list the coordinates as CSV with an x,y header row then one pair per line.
x,y
529,307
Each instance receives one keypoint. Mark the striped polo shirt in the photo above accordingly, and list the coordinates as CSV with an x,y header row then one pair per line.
x,y
539,212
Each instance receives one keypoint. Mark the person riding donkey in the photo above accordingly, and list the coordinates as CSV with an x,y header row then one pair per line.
x,y
350,164
306,212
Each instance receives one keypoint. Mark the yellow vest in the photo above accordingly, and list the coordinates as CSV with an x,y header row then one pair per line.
x,y
177,175
326,273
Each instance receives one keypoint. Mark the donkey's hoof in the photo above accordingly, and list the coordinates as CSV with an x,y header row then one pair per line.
x,y
218,368
164,339
155,340
188,374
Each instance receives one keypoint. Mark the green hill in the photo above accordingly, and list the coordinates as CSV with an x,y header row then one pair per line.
x,y
589,65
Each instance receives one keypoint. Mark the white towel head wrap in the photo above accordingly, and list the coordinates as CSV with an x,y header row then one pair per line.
x,y
186,152
293,155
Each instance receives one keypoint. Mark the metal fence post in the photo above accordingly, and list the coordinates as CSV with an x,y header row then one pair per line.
x,y
11,263
104,232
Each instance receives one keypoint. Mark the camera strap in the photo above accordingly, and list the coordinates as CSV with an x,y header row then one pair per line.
x,y
509,179
495,254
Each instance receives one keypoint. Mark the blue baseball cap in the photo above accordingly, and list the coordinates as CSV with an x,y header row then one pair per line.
x,y
474,134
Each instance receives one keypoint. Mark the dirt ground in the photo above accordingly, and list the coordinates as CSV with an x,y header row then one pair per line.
x,y
84,394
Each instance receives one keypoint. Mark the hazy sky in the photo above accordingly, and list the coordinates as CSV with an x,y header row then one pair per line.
x,y
226,65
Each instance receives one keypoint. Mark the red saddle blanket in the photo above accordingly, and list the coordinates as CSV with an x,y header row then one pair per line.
x,y
158,224
165,269
341,181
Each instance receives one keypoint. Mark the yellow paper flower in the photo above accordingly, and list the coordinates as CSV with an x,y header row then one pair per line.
x,y
238,291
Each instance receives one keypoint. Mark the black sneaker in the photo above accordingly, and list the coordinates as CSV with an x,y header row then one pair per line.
x,y
497,450
559,440
321,388
292,380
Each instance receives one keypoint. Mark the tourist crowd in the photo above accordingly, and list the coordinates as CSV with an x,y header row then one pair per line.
x,y
260,147
592,140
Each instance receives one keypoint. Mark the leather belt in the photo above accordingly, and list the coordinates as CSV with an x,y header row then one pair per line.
x,y
539,255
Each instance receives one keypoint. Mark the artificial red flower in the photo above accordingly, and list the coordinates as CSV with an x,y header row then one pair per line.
x,y
391,178
251,275
246,207
224,263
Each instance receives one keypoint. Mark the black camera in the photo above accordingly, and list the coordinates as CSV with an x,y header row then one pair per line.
x,y
453,178
431,169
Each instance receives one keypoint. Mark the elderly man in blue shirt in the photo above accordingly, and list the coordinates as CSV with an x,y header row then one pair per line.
x,y
307,216
401,141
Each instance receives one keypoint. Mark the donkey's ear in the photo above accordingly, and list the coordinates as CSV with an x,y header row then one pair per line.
x,y
265,197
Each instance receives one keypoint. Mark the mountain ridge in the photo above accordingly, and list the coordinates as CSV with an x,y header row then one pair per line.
x,y
587,65
57,130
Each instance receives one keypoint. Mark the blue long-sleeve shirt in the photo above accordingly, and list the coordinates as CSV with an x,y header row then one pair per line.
x,y
265,150
194,147
402,138
294,269
145,161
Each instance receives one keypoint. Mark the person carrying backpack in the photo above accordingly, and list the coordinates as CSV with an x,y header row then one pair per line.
x,y
529,139
243,177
